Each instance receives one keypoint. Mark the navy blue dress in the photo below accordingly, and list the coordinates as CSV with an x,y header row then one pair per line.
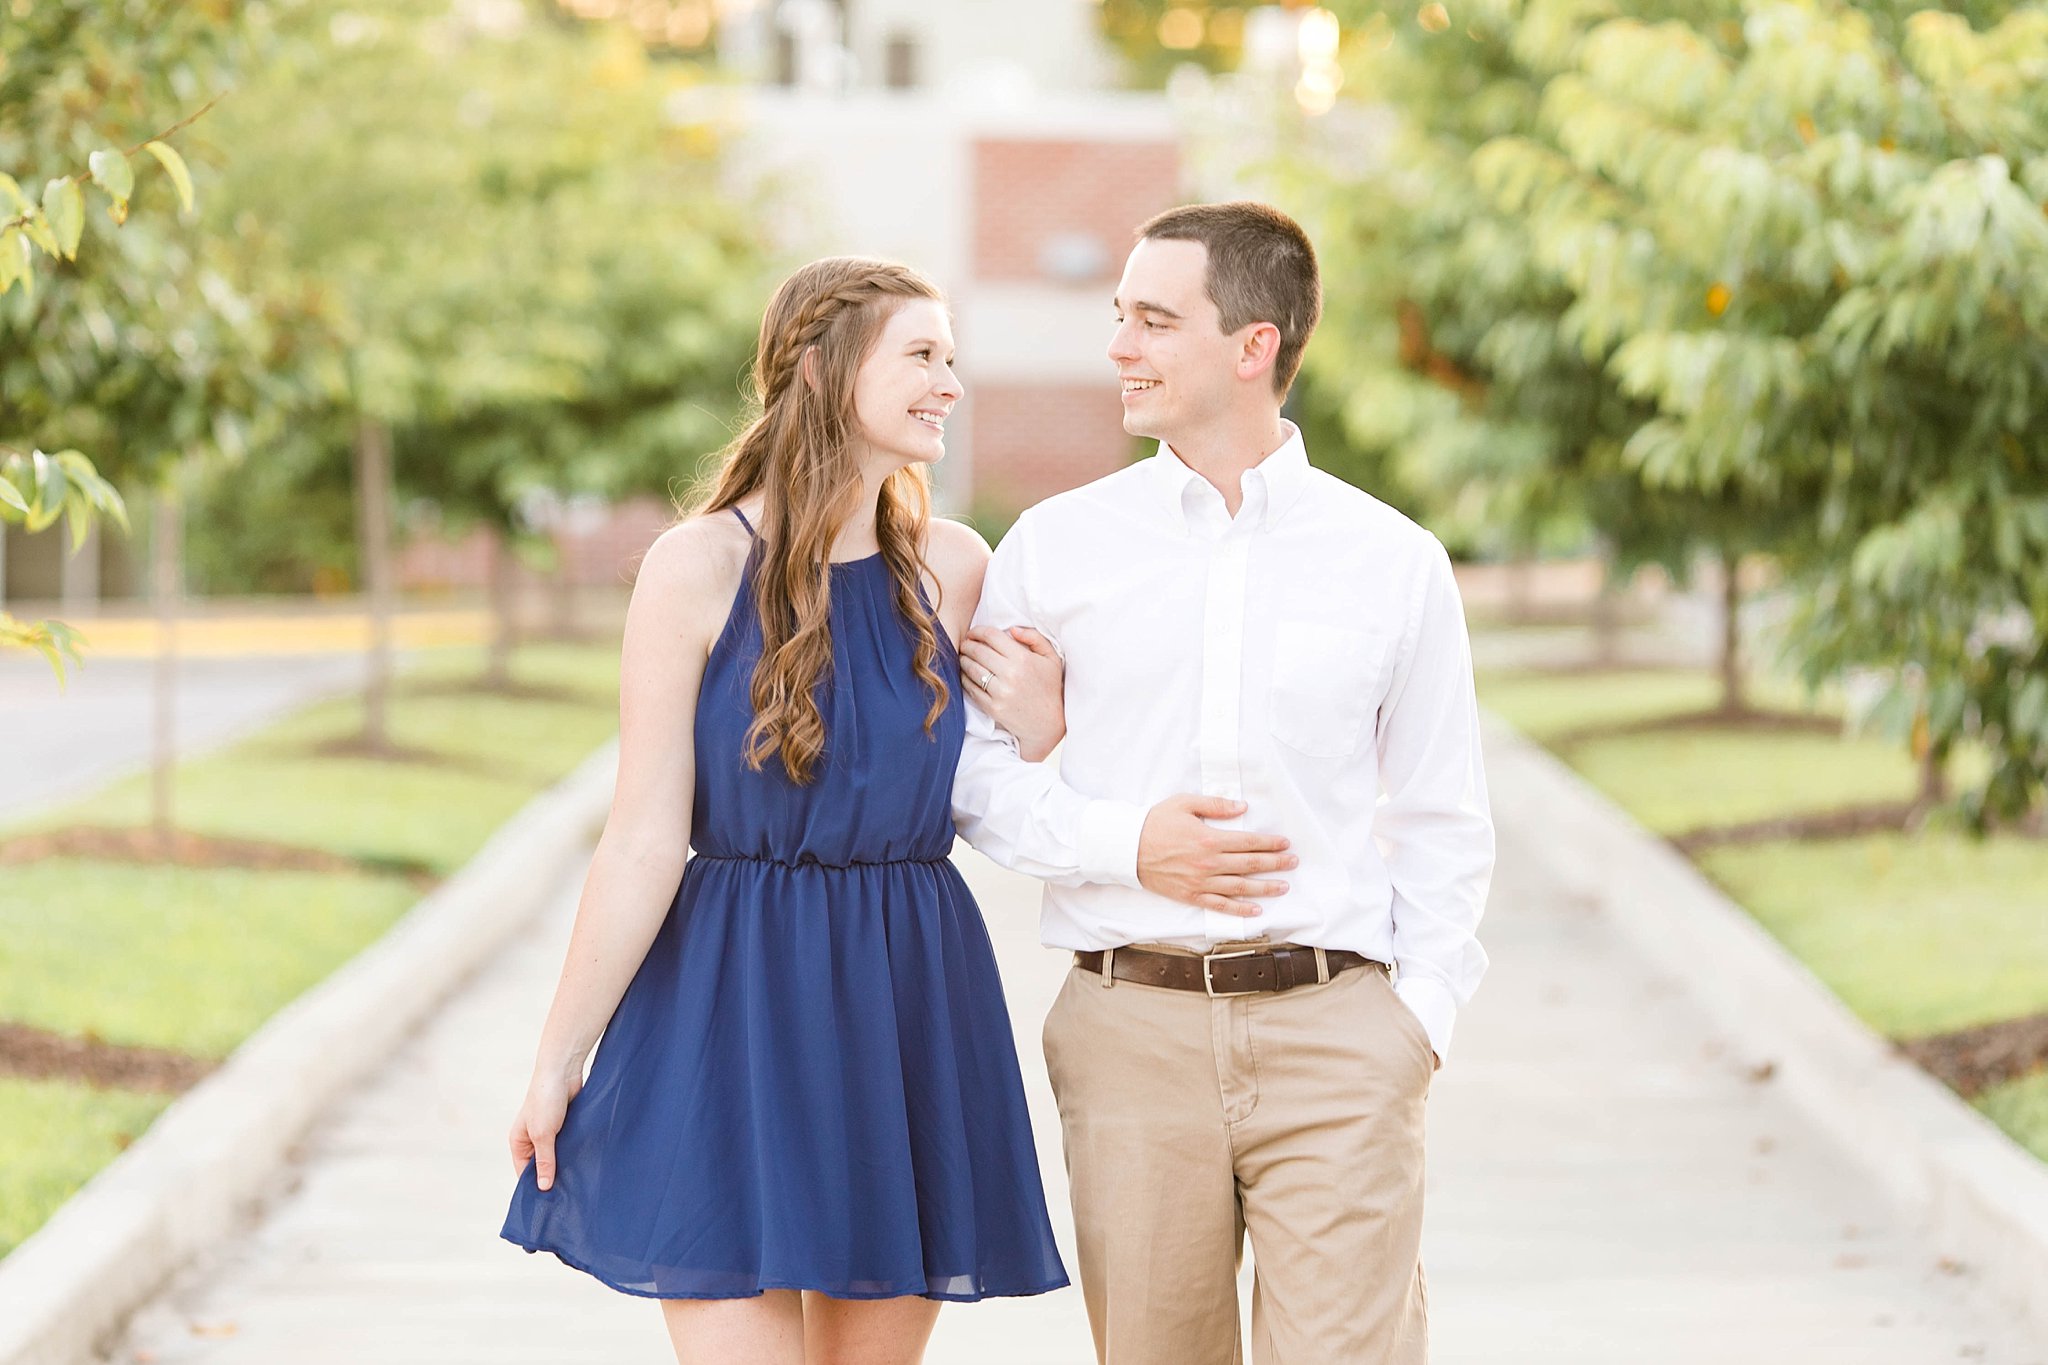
x,y
810,1082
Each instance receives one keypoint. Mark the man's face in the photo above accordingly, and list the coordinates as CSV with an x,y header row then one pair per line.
x,y
1178,367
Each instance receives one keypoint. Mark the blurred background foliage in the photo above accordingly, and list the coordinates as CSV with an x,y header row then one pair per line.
x,y
1754,282
528,292
1680,282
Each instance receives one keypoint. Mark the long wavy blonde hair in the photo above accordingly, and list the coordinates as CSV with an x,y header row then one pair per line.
x,y
799,450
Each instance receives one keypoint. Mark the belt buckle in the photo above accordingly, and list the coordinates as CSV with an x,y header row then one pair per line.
x,y
1209,981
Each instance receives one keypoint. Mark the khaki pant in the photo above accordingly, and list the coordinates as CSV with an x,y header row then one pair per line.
x,y
1296,1117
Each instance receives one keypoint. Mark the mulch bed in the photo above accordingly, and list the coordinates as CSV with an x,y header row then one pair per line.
x,y
1778,722
38,1055
186,849
354,746
1972,1060
516,691
1842,822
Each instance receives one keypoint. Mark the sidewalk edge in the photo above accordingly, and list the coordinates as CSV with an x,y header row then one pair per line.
x,y
213,1156
1980,1197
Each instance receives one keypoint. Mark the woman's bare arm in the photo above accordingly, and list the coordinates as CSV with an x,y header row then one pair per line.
x,y
680,599
1025,691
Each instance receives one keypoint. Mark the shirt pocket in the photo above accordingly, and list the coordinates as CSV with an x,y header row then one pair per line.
x,y
1326,683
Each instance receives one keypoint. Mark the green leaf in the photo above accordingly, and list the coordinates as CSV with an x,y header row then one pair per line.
x,y
13,265
64,206
12,200
112,173
49,651
77,522
174,164
50,488
11,495
37,230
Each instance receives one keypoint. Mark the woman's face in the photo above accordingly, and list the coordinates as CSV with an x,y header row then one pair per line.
x,y
905,389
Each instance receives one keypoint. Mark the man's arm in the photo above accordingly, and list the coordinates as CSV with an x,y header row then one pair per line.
x,y
1433,827
1023,816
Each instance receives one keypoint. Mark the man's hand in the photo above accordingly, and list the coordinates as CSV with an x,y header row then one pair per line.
x,y
1185,858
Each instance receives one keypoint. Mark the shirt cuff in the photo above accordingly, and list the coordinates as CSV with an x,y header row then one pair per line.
x,y
1108,842
1433,1004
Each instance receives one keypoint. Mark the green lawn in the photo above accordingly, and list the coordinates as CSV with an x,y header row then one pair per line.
x,y
196,958
1678,780
269,787
1917,934
1546,706
186,958
2021,1108
58,1134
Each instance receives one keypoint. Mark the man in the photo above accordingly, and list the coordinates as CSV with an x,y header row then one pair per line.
x,y
1291,653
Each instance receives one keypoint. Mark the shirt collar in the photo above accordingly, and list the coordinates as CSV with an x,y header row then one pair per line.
x,y
1270,487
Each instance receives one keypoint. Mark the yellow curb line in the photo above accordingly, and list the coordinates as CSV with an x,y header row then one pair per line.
x,y
228,635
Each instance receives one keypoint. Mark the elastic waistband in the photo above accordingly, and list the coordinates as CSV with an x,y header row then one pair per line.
x,y
819,862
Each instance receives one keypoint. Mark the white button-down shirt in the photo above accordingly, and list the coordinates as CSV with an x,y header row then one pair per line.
x,y
1307,657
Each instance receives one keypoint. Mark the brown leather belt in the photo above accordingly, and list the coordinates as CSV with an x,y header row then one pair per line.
x,y
1242,971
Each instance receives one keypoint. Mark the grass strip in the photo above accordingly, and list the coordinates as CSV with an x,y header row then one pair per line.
x,y
191,959
1918,934
58,1134
2021,1109
194,959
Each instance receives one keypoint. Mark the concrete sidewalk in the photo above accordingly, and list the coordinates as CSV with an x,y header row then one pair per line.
x,y
1606,1185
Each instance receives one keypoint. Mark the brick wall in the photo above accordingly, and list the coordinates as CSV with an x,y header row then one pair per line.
x,y
1027,192
1032,440
606,554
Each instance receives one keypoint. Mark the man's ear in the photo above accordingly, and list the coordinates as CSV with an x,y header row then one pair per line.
x,y
1261,350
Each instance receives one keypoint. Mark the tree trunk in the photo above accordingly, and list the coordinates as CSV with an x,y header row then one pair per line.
x,y
562,599
504,631
1734,701
166,551
1933,762
1933,778
1607,620
373,509
78,577
1521,590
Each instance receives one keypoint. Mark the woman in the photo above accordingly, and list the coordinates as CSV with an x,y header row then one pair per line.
x,y
806,1126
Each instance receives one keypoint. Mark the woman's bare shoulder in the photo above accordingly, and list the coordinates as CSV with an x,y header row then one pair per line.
x,y
954,550
694,567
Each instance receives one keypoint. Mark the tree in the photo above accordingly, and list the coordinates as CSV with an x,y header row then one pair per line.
x,y
47,119
1836,217
536,292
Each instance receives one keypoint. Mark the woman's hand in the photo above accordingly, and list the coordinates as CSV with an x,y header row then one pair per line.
x,y
1019,679
540,1118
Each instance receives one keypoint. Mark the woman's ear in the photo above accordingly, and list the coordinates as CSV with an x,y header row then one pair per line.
x,y
808,368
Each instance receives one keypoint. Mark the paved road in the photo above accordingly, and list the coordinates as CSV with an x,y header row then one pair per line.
x,y
1606,1188
66,743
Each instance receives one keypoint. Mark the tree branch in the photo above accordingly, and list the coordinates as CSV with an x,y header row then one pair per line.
x,y
23,218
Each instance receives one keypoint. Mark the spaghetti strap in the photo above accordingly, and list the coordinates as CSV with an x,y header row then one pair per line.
x,y
744,522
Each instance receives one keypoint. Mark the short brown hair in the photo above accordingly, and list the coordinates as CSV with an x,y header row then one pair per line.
x,y
1261,269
